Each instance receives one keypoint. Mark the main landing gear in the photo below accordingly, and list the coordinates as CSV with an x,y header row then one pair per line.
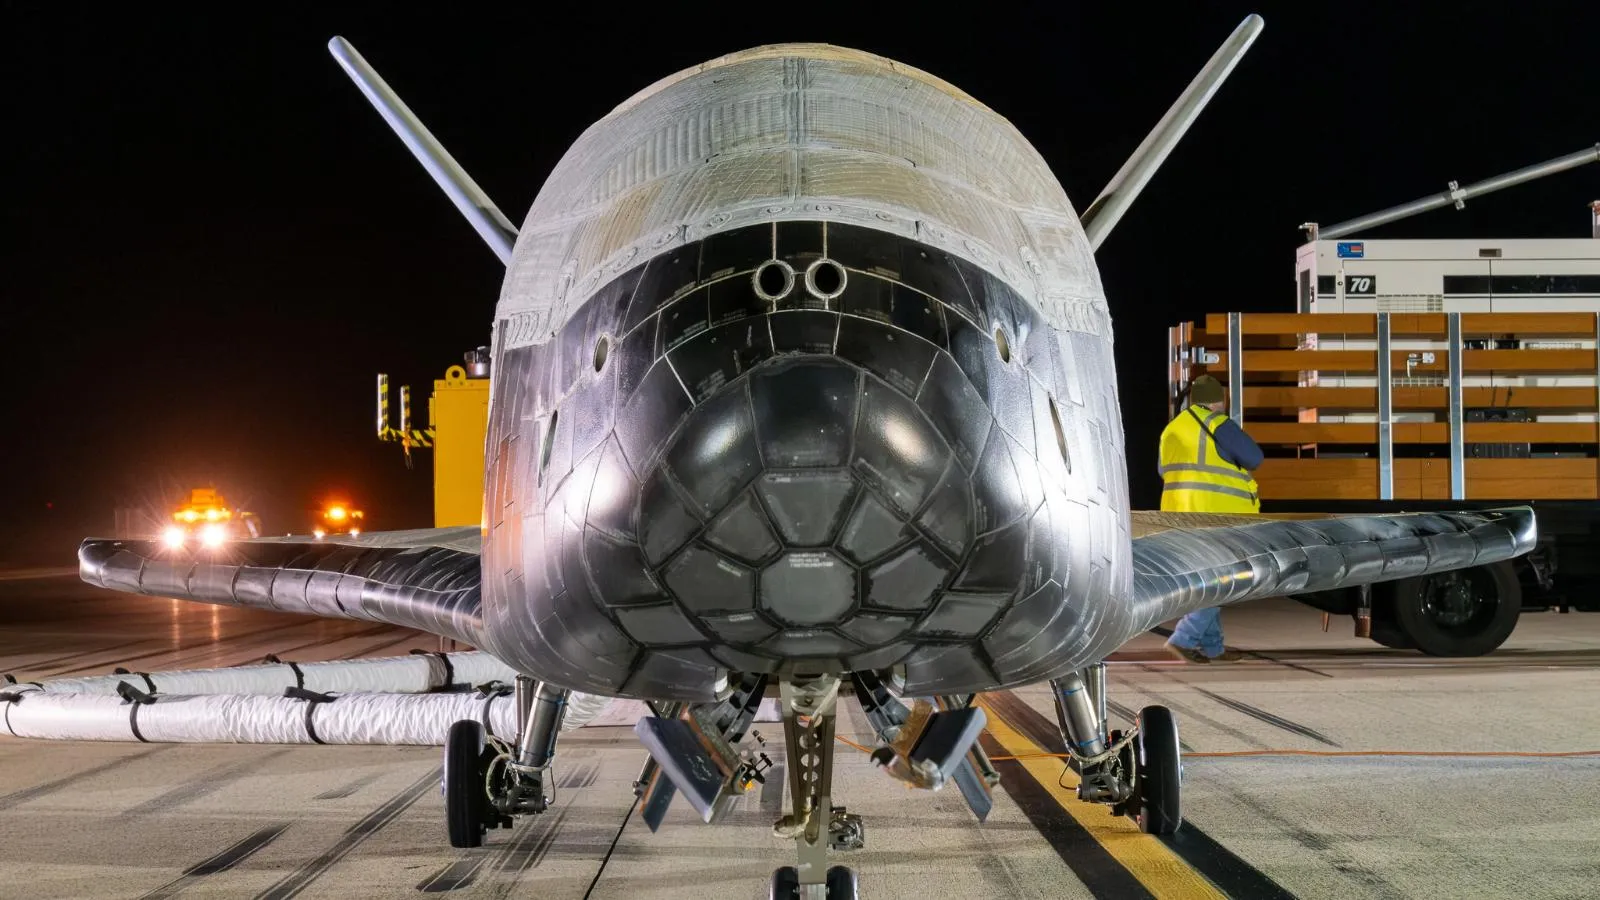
x,y
486,781
1138,773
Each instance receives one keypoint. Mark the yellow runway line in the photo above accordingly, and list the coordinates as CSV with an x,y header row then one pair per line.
x,y
1144,856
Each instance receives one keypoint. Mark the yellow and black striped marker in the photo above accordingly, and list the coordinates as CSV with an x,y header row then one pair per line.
x,y
383,407
407,436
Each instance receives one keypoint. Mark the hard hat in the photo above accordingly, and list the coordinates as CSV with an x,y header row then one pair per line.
x,y
1206,389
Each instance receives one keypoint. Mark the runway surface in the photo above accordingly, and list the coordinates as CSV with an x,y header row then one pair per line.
x,y
103,820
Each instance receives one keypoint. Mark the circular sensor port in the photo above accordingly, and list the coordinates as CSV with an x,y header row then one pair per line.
x,y
825,279
773,280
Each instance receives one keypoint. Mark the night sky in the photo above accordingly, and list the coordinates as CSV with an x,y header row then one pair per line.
x,y
212,243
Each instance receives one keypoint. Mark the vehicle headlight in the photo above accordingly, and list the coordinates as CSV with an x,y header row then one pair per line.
x,y
173,537
213,536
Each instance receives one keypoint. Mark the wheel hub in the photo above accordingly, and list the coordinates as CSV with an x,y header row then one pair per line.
x,y
1451,600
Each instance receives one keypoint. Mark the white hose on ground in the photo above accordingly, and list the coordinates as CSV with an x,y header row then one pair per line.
x,y
356,718
390,700
390,697
28,711
413,674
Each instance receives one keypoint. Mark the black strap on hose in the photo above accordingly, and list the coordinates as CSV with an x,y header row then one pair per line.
x,y
10,700
449,667
312,699
135,698
12,679
299,676
148,682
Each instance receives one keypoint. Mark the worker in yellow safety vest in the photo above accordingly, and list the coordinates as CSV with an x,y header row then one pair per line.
x,y
1206,461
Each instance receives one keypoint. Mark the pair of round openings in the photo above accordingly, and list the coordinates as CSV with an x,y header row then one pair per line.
x,y
775,279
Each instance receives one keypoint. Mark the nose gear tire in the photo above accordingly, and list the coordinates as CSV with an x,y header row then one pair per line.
x,y
841,883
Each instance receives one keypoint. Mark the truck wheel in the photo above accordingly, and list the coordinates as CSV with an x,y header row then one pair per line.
x,y
1387,632
1467,612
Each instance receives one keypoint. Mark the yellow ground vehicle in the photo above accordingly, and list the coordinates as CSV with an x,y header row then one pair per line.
x,y
207,520
458,414
339,517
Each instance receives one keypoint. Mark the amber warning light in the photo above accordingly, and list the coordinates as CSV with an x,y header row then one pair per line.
x,y
339,518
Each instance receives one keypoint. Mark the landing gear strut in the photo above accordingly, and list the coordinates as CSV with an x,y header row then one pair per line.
x,y
809,712
1138,773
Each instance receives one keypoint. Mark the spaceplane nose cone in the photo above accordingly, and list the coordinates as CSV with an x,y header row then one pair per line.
x,y
810,510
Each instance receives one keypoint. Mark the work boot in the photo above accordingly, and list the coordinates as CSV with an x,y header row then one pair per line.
x,y
1228,656
1187,654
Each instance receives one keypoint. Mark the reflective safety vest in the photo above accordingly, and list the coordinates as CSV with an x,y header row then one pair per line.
x,y
1194,476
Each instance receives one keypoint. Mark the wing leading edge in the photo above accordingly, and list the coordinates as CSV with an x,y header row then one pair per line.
x,y
428,579
1184,562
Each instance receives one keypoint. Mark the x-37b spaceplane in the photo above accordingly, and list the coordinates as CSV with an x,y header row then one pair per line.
x,y
802,385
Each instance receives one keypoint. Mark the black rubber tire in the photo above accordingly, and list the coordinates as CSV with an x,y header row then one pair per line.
x,y
1486,630
1159,810
465,804
842,883
785,884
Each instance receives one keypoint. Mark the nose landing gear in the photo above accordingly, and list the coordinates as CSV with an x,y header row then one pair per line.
x,y
809,711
